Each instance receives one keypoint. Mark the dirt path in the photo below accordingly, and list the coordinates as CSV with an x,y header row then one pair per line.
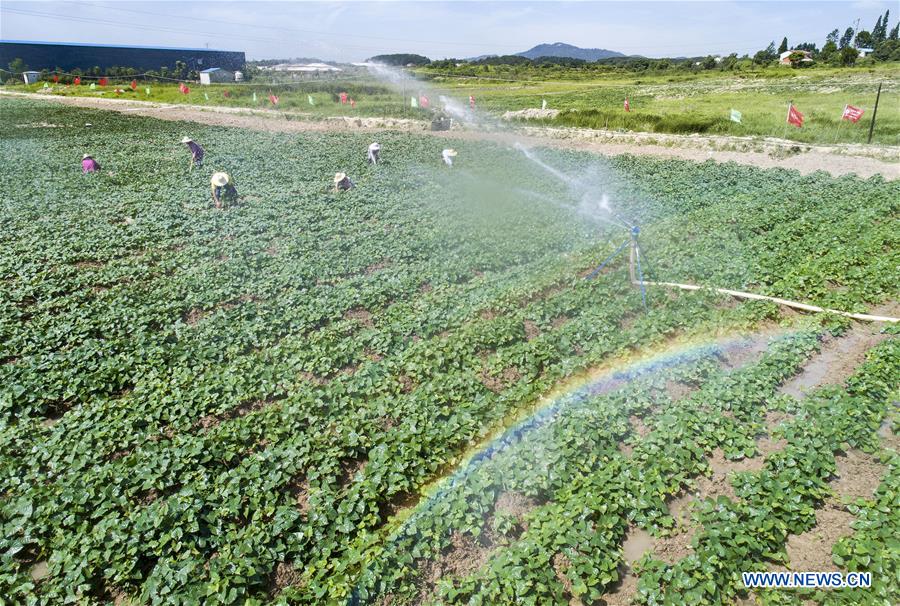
x,y
864,161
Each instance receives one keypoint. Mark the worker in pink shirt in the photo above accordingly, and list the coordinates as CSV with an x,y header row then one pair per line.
x,y
88,164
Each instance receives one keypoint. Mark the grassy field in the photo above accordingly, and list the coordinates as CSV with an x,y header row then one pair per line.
x,y
407,393
677,103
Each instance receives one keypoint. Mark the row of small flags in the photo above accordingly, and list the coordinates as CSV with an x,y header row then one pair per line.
x,y
851,113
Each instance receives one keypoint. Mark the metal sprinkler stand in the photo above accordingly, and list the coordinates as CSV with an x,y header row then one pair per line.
x,y
634,262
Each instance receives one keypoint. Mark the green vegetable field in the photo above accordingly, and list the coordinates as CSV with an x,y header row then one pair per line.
x,y
407,393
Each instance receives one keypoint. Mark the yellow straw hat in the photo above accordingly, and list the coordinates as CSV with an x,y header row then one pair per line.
x,y
450,152
338,177
219,179
85,157
186,139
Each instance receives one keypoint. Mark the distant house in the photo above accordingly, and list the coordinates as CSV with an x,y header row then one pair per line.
x,y
31,77
215,74
785,57
865,52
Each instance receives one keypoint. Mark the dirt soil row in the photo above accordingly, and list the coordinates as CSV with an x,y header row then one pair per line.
x,y
864,161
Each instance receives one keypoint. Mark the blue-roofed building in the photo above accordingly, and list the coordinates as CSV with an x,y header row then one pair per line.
x,y
68,56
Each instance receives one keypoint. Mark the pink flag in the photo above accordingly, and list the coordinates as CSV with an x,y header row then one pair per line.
x,y
627,107
472,101
343,98
794,117
423,101
852,113
273,99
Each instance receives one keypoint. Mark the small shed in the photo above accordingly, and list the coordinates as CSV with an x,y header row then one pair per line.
x,y
865,52
31,77
785,57
215,74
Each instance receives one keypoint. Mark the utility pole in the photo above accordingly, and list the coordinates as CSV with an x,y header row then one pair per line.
x,y
874,112
856,31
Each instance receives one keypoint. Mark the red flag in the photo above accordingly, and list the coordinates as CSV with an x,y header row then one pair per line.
x,y
423,101
343,98
352,102
852,113
103,82
183,88
77,80
134,85
472,101
227,94
56,77
794,117
273,99
627,107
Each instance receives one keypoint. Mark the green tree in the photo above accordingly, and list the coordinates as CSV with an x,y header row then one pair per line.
x,y
848,56
833,36
16,66
879,32
895,32
864,39
846,38
766,55
784,45
829,51
796,58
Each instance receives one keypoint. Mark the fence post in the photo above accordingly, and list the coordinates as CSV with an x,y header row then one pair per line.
x,y
874,112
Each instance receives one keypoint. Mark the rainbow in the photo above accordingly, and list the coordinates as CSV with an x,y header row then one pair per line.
x,y
595,381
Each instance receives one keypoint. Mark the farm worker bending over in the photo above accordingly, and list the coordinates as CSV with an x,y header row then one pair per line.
x,y
222,189
342,182
448,155
88,164
196,151
374,152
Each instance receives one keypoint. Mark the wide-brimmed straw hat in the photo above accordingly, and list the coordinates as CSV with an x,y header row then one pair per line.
x,y
338,177
85,157
449,152
219,179
186,140
375,146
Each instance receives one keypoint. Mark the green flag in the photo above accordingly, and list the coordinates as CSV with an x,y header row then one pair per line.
x,y
206,96
254,96
310,99
46,85
147,90
93,85
735,116
413,102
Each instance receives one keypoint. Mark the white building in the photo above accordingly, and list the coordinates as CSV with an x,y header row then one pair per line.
x,y
31,77
865,52
785,57
303,68
215,74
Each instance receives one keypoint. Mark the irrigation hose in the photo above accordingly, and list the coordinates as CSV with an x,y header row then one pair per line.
x,y
804,306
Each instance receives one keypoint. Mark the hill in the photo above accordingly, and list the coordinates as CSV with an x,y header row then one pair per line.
x,y
560,49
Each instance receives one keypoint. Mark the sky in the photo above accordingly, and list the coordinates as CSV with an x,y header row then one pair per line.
x,y
354,31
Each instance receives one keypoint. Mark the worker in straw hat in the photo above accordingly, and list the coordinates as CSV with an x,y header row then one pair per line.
x,y
448,155
88,164
196,152
374,153
342,182
222,189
